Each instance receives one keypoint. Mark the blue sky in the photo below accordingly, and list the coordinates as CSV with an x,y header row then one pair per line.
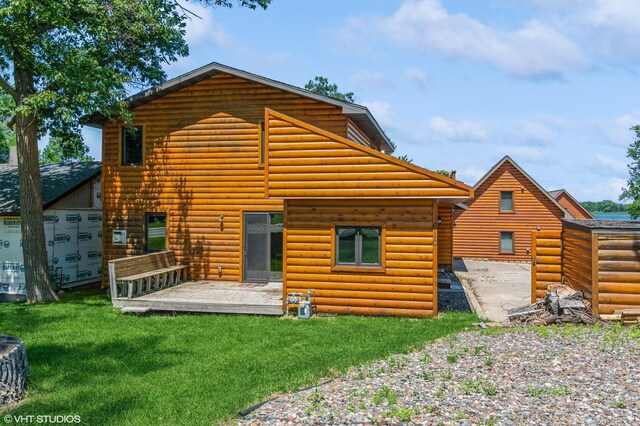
x,y
457,84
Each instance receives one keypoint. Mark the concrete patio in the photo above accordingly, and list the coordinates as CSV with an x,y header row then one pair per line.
x,y
497,286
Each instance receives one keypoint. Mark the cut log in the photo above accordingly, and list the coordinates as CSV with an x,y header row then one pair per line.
x,y
14,370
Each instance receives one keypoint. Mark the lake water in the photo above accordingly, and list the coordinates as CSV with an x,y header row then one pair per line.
x,y
613,216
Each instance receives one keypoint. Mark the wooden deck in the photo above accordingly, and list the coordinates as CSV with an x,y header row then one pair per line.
x,y
209,297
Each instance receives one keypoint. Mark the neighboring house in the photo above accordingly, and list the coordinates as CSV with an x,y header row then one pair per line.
x,y
507,207
570,204
73,225
253,180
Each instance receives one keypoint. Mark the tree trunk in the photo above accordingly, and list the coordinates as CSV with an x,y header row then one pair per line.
x,y
36,267
14,369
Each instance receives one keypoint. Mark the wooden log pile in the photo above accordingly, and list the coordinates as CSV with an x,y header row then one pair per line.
x,y
553,309
14,370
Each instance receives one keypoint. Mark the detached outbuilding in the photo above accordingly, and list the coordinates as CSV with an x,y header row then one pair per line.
x,y
73,226
602,259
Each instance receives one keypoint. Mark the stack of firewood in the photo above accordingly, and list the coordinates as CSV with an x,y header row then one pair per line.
x,y
553,309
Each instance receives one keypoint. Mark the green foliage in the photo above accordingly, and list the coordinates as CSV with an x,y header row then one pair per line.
x,y
444,173
7,136
83,55
64,151
405,157
111,369
321,86
605,206
632,191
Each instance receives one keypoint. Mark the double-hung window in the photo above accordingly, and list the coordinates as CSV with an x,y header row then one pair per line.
x,y
358,246
506,201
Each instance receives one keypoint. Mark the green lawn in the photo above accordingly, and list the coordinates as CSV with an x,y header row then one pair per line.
x,y
87,359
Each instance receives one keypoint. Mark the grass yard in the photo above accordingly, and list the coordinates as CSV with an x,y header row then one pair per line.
x,y
87,359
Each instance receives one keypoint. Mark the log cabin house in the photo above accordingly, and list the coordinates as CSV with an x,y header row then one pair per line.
x,y
508,206
570,204
252,180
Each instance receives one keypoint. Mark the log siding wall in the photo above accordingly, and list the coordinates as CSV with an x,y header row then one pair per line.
x,y
576,260
572,207
304,161
477,230
546,263
201,154
406,285
618,272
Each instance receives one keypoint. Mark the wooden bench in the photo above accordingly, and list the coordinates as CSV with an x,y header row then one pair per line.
x,y
137,275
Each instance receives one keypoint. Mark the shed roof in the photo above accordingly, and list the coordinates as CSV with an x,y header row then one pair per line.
x,y
505,159
596,226
359,114
56,181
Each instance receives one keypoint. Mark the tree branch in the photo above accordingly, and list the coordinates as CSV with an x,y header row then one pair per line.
x,y
9,89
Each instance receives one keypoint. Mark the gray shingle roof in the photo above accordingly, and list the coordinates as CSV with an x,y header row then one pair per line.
x,y
56,181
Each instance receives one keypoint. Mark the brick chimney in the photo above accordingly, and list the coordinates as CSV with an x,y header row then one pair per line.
x,y
13,156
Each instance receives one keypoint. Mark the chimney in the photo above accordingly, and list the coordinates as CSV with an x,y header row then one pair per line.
x,y
13,156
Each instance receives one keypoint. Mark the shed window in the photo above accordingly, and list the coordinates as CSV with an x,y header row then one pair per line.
x,y
156,232
506,201
506,242
132,146
358,245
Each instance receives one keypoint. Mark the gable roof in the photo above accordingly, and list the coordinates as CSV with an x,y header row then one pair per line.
x,y
359,114
56,181
508,159
556,194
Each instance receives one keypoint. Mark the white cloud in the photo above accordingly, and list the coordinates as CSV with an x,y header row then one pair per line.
x,y
532,154
609,189
202,30
540,129
618,167
382,111
419,77
371,80
457,130
471,174
534,50
617,131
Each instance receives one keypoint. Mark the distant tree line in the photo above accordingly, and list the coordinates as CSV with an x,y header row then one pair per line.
x,y
605,206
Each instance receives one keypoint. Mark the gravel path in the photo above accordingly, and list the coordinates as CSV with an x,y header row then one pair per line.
x,y
546,376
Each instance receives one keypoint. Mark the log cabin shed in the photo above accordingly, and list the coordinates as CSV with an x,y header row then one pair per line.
x,y
508,206
252,180
602,259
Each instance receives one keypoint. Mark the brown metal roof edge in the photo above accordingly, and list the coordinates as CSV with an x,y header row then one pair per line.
x,y
526,175
603,226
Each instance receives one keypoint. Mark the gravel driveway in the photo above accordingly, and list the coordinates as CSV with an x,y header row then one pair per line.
x,y
546,376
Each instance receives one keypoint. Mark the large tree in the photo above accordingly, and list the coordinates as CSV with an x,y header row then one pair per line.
x,y
60,150
322,86
63,59
632,191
